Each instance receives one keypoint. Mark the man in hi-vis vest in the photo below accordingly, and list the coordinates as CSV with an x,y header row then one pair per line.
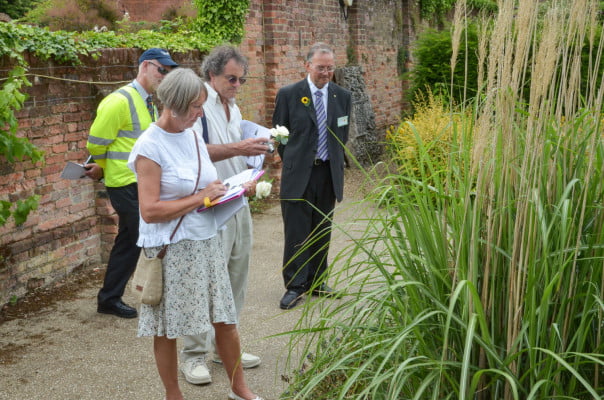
x,y
121,118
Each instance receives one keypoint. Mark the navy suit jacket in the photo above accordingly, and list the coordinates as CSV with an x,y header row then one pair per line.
x,y
301,149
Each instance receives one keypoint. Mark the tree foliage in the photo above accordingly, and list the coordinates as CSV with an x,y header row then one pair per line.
x,y
432,69
16,8
436,9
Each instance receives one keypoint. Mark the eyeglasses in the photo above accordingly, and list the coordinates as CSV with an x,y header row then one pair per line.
x,y
161,70
322,69
233,79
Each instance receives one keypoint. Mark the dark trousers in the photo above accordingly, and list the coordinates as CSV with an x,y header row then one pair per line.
x,y
307,229
125,252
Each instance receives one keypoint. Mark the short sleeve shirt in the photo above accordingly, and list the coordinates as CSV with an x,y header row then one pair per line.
x,y
176,154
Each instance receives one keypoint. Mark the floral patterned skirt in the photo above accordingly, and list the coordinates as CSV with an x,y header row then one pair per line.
x,y
197,291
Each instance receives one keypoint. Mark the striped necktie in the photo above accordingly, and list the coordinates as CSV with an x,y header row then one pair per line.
x,y
150,107
322,152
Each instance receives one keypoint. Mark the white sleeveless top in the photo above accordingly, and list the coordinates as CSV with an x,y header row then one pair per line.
x,y
176,154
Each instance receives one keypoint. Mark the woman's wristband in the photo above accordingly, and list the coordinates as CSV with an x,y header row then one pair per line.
x,y
207,202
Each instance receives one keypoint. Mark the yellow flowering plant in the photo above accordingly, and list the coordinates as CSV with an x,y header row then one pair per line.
x,y
306,101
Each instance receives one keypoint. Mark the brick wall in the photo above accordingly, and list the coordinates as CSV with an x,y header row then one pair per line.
x,y
75,224
370,36
279,33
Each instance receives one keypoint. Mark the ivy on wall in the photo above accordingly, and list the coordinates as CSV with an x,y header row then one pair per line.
x,y
217,22
431,8
222,18
13,148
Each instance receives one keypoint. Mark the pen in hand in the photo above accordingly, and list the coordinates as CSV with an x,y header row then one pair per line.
x,y
88,161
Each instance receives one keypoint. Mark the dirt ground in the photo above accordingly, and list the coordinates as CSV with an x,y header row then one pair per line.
x,y
54,345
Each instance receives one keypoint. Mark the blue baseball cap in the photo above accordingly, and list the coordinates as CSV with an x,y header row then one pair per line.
x,y
160,55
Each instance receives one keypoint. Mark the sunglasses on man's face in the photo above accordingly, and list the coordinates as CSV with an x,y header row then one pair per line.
x,y
233,79
161,70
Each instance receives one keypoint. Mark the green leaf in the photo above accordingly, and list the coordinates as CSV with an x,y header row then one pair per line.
x,y
4,211
24,207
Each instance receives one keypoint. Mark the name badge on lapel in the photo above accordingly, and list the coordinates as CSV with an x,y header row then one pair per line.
x,y
343,121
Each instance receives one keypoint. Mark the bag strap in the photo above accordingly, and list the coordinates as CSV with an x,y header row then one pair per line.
x,y
162,252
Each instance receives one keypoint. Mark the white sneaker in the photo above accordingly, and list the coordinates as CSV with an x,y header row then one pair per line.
x,y
247,360
196,371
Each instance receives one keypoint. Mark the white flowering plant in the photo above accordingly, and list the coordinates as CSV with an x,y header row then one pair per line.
x,y
280,134
263,189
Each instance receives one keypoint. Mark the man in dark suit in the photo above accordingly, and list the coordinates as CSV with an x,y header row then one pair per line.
x,y
316,112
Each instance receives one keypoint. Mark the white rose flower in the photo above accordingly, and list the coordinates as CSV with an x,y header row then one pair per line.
x,y
263,189
280,133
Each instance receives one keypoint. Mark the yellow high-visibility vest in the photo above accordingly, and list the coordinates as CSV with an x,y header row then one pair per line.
x,y
121,118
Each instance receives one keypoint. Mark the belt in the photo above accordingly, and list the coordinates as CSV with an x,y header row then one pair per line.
x,y
318,161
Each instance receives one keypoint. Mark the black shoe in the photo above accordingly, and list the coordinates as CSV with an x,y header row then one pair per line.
x,y
325,291
290,299
118,308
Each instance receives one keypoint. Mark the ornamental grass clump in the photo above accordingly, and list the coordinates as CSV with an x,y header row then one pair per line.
x,y
493,288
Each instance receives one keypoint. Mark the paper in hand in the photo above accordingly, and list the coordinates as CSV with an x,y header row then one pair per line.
x,y
250,130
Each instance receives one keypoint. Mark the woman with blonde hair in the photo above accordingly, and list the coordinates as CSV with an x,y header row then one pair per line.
x,y
175,177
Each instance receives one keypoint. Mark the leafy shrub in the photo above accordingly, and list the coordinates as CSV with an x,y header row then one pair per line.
x,y
436,9
488,6
432,54
17,8
420,146
432,67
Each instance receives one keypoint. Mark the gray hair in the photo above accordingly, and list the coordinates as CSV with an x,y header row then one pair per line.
x,y
219,57
179,89
319,47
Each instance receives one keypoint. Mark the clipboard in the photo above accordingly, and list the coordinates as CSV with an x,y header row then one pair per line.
x,y
74,170
225,211
236,190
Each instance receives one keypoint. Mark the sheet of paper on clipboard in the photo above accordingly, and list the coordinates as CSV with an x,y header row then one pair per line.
x,y
250,130
235,184
234,199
